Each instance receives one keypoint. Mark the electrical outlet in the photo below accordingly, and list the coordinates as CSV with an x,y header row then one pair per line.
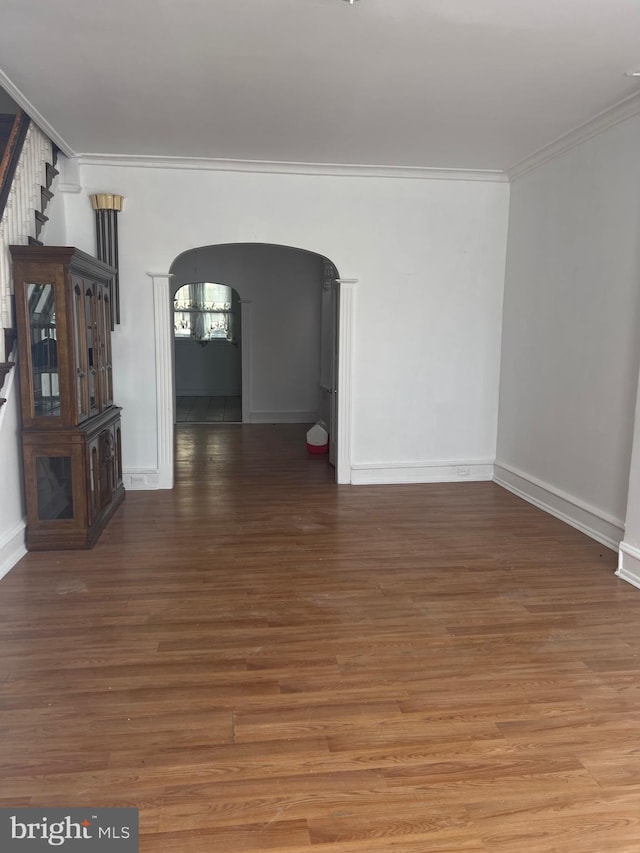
x,y
463,471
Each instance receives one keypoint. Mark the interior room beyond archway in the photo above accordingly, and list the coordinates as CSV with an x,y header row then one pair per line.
x,y
255,336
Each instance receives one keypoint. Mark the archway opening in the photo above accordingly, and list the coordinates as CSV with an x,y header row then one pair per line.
x,y
287,303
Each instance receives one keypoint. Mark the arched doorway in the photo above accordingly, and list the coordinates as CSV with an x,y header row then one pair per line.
x,y
165,285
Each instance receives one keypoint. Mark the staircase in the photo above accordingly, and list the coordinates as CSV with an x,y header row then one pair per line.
x,y
27,171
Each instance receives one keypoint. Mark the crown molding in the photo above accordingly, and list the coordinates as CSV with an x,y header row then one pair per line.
x,y
23,102
609,117
143,161
621,111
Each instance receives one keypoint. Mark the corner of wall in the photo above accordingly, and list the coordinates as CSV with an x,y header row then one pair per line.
x,y
12,547
629,564
12,536
585,518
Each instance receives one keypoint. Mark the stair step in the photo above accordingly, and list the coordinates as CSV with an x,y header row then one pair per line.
x,y
51,173
5,368
41,219
45,197
34,242
10,334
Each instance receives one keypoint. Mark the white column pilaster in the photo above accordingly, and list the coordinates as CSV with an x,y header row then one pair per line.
x,y
164,376
345,378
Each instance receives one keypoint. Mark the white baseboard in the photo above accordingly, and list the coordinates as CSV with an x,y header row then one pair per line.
x,y
588,519
283,417
141,479
420,472
629,564
12,548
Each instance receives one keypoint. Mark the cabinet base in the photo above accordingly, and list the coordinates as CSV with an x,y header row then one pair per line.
x,y
68,540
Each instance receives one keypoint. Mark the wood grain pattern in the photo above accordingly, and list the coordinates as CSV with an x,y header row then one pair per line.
x,y
261,660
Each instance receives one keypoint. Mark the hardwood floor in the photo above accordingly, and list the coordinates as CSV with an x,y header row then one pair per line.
x,y
203,410
261,660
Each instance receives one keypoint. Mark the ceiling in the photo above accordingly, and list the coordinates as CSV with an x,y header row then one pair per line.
x,y
451,84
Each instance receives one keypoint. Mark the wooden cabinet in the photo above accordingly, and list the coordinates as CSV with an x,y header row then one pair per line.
x,y
71,433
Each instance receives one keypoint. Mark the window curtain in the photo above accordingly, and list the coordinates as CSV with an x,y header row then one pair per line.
x,y
197,296
202,312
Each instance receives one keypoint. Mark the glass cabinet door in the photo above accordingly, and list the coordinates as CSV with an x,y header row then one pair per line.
x,y
41,309
100,346
54,484
107,460
81,353
93,462
106,349
91,327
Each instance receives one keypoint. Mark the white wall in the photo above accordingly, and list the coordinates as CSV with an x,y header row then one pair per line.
x,y
12,515
282,339
213,370
570,337
429,256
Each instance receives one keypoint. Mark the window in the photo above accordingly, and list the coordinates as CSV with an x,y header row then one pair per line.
x,y
204,312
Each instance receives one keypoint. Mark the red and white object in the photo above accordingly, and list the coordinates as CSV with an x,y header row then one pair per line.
x,y
318,439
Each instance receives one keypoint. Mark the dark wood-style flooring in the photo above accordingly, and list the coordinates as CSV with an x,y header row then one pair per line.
x,y
204,410
261,660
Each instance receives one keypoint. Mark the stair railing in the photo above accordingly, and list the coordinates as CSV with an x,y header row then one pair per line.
x,y
18,222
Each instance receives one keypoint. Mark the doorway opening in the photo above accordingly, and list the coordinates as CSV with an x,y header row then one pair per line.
x,y
207,335
285,304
